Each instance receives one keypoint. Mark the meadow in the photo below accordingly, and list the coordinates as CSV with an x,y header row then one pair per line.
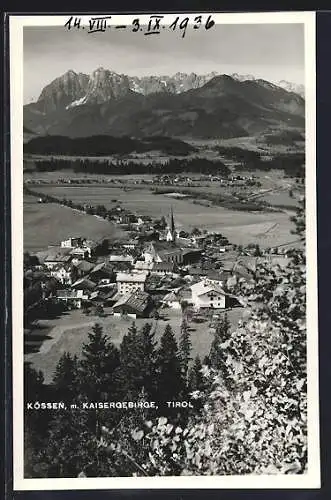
x,y
265,228
48,223
70,331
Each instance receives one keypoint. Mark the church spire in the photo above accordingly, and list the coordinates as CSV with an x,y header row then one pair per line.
x,y
172,222
171,232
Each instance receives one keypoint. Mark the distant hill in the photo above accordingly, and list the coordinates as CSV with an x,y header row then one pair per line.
x,y
105,146
213,107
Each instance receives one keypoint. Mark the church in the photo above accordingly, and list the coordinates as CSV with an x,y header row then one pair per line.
x,y
171,232
169,248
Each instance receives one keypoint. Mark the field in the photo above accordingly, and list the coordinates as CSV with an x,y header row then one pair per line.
x,y
47,224
69,332
265,228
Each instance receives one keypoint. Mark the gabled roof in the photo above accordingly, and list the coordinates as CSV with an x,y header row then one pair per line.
x,y
170,297
101,266
161,266
131,277
137,300
205,287
70,294
120,258
145,266
84,265
84,282
58,257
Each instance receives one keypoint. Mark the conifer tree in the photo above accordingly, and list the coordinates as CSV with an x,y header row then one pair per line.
x,y
66,378
147,352
216,355
196,380
100,358
129,374
185,349
170,382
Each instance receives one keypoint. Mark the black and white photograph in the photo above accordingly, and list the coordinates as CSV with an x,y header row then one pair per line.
x,y
165,322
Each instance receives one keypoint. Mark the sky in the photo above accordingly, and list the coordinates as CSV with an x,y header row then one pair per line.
x,y
273,52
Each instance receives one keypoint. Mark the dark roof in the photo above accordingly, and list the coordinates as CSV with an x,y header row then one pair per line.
x,y
163,266
138,301
85,266
84,282
58,258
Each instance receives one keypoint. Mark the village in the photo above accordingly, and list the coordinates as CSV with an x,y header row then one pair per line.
x,y
156,267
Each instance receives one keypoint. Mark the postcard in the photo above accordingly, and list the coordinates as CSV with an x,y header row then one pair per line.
x,y
164,262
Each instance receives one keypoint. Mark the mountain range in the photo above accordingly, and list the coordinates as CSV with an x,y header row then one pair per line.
x,y
183,105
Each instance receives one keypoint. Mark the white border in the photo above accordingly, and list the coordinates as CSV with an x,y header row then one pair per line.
x,y
309,480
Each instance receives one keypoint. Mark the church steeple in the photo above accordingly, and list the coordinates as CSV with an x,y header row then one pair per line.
x,y
171,230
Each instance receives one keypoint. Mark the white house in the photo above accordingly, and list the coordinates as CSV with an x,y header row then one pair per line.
x,y
208,295
62,273
142,266
116,259
130,282
72,242
171,300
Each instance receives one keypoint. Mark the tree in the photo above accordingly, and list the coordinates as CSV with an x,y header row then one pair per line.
x,y
196,232
216,355
170,382
257,251
99,310
129,376
147,352
196,380
299,220
100,358
66,378
184,349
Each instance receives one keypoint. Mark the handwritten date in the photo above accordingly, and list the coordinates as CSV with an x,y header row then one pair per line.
x,y
154,26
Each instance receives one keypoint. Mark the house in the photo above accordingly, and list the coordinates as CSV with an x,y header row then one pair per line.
x,y
80,253
72,298
84,284
171,300
116,259
81,248
134,305
206,294
56,259
143,266
101,271
163,268
83,267
131,244
72,242
62,273
130,282
191,255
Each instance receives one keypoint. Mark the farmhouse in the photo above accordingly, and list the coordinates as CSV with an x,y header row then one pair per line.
x,y
56,259
101,271
62,273
115,259
163,268
208,295
141,265
84,284
83,267
72,242
130,282
171,300
136,304
73,298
